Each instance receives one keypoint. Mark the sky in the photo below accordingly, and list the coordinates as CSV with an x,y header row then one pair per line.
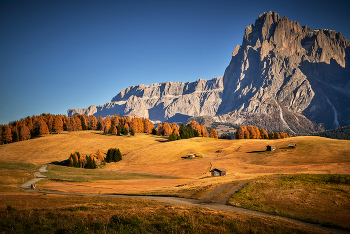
x,y
56,55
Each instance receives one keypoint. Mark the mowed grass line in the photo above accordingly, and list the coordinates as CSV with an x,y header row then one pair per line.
x,y
39,213
88,175
310,198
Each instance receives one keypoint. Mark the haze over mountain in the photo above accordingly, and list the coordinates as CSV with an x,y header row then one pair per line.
x,y
284,77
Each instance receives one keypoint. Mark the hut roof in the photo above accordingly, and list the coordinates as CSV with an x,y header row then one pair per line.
x,y
218,169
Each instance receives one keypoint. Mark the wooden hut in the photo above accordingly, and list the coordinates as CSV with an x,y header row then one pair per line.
x,y
218,172
292,145
191,156
270,148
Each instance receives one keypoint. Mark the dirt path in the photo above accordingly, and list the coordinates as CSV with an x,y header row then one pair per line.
x,y
230,188
38,175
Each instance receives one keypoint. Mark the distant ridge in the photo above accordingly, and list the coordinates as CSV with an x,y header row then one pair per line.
x,y
342,133
284,77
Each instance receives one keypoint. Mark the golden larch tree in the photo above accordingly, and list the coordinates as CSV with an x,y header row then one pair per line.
x,y
213,133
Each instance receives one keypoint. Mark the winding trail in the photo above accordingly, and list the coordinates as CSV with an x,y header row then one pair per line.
x,y
210,201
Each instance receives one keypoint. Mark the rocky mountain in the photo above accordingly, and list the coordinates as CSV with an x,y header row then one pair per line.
x,y
170,101
284,77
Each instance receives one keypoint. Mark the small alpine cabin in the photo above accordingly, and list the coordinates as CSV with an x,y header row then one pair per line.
x,y
292,145
270,148
218,172
191,156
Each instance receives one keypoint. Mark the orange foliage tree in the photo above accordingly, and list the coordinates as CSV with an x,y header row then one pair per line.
x,y
148,125
213,133
24,133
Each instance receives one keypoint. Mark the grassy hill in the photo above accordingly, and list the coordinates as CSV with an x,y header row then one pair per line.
x,y
152,165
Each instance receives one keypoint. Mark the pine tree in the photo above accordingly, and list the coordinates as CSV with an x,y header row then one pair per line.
x,y
83,123
132,132
117,156
172,137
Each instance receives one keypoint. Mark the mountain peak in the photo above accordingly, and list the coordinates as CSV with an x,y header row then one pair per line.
x,y
284,77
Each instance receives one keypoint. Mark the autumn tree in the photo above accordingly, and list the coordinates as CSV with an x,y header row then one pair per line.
x,y
195,125
160,130
50,123
100,123
29,122
24,132
213,133
42,128
58,124
263,134
204,131
148,125
240,132
15,134
69,124
91,122
99,155
6,134
166,129
114,131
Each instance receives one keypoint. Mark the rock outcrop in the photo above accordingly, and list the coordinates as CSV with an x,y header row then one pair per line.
x,y
284,77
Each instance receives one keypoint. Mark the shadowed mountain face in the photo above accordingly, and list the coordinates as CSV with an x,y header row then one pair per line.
x,y
283,77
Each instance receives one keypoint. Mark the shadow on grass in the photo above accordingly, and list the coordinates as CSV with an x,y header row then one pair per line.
x,y
62,163
262,151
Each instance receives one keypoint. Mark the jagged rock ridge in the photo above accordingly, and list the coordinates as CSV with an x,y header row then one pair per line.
x,y
170,101
283,77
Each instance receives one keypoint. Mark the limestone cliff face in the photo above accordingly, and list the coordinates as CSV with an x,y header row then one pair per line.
x,y
170,101
284,67
284,77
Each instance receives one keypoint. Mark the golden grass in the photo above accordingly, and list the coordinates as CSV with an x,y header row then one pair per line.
x,y
58,147
305,197
57,213
148,154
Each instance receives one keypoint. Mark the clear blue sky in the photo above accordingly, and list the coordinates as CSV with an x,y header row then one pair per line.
x,y
56,55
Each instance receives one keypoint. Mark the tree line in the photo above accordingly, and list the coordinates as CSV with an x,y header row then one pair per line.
x,y
35,126
252,132
92,161
342,133
192,129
